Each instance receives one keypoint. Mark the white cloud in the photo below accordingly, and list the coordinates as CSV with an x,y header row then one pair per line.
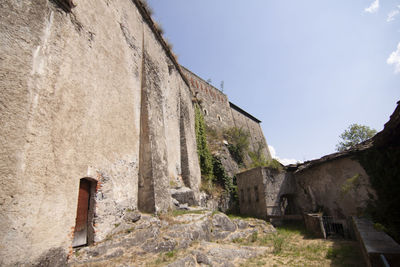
x,y
282,161
373,7
392,14
394,59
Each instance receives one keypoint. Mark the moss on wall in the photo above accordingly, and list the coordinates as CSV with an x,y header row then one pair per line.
x,y
383,167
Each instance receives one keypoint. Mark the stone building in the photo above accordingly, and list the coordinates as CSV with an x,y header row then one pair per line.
x,y
338,185
97,120
265,192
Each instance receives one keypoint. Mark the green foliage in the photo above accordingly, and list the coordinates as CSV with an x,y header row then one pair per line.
x,y
253,237
341,253
223,179
380,227
257,157
382,166
274,164
205,157
354,135
170,254
238,140
351,183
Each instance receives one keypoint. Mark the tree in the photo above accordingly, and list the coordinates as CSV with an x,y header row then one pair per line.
x,y
354,135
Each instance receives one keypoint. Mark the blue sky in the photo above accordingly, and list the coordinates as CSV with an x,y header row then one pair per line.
x,y
306,69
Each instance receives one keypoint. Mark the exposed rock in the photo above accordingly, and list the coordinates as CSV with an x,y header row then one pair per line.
x,y
156,245
191,233
132,216
184,262
241,223
184,207
201,257
221,221
56,257
183,195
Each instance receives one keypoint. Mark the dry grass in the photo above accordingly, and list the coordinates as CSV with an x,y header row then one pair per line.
x,y
293,247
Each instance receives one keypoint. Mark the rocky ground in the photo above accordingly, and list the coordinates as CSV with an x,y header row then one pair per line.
x,y
205,238
178,238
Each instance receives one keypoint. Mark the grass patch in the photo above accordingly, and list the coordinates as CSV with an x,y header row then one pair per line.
x,y
164,258
183,212
291,246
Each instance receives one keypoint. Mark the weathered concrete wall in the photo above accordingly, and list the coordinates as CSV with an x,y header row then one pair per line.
x,y
71,90
339,188
261,190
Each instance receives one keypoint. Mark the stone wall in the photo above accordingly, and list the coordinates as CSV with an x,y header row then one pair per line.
x,y
243,120
92,93
339,188
214,103
261,191
220,114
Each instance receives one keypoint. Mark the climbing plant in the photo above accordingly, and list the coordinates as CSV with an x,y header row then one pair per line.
x,y
221,177
238,146
205,157
382,166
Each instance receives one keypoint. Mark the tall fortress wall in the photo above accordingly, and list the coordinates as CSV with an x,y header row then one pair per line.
x,y
220,114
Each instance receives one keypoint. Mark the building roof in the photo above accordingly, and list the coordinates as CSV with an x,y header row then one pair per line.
x,y
235,107
389,136
243,112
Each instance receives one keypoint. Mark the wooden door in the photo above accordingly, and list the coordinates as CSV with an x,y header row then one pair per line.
x,y
81,224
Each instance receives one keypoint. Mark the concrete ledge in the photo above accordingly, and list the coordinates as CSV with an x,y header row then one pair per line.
x,y
374,243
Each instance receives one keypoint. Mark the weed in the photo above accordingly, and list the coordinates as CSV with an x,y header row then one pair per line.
x,y
253,237
238,240
182,212
278,242
170,254
380,227
117,224
129,230
351,183
173,184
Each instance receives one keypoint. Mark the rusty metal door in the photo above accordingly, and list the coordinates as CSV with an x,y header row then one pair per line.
x,y
81,224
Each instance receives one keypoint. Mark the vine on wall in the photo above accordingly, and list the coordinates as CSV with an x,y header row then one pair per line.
x,y
382,166
205,157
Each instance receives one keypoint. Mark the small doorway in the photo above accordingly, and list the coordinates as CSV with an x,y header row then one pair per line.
x,y
83,233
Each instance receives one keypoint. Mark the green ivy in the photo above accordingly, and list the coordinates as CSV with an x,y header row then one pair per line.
x,y
205,157
382,166
221,177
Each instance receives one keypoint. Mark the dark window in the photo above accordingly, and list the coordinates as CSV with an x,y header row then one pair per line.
x,y
241,196
256,193
249,194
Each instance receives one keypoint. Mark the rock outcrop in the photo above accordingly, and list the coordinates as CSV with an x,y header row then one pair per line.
x,y
198,238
